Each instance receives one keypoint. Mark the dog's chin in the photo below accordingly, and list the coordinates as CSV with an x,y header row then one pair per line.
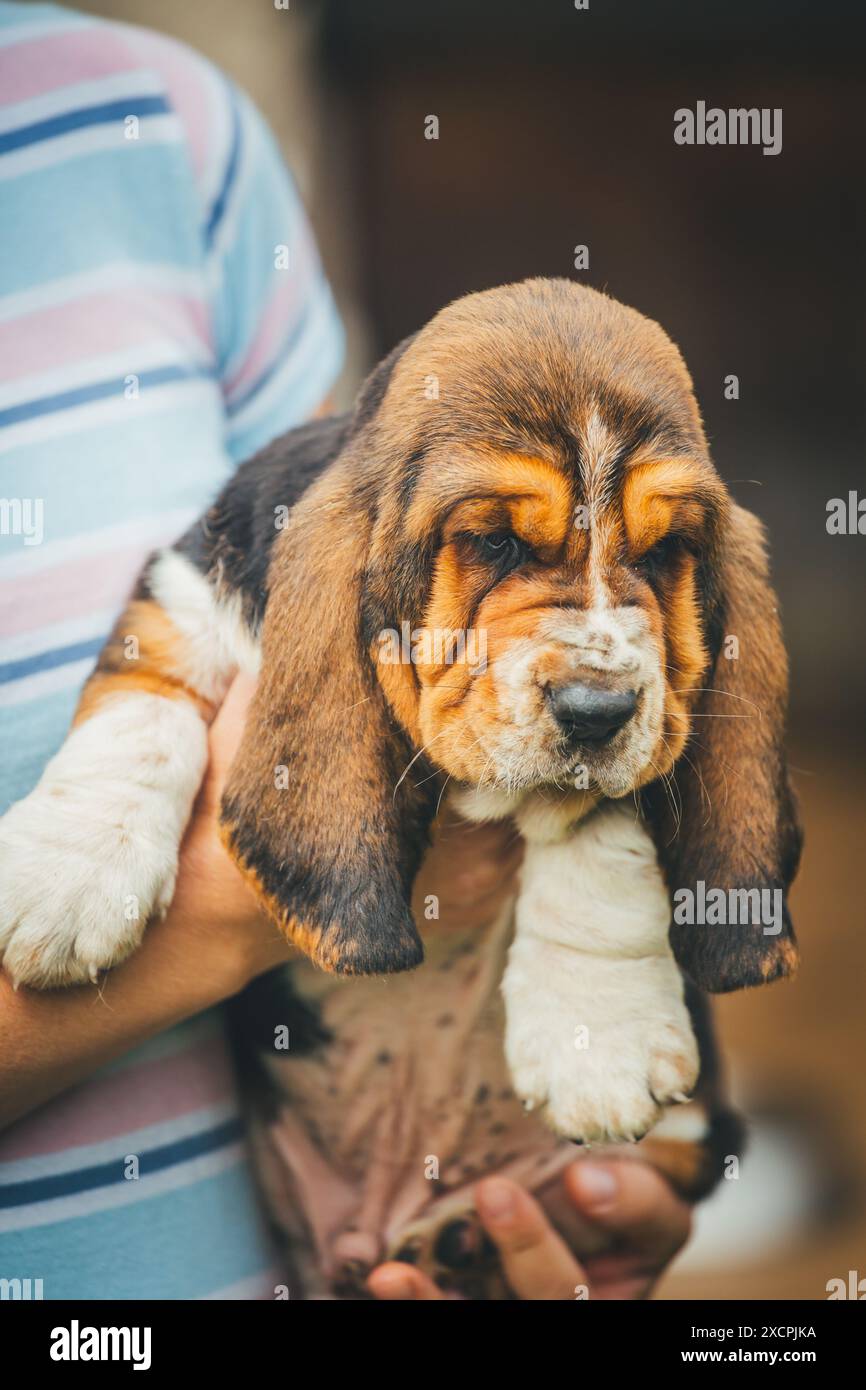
x,y
612,772
606,777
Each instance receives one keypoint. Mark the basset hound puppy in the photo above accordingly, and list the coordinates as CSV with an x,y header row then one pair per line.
x,y
512,577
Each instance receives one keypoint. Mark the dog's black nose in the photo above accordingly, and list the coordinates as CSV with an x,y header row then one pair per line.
x,y
589,715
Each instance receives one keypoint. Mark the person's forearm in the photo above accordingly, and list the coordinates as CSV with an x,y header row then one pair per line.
x,y
50,1041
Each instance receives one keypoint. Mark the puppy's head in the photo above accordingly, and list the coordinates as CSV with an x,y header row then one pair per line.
x,y
523,565
561,490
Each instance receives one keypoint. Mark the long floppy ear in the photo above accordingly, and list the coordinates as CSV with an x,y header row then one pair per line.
x,y
733,823
315,811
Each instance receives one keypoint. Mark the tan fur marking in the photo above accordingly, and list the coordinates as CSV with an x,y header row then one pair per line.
x,y
158,669
655,496
685,1163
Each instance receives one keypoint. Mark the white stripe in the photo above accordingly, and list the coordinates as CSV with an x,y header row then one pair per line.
x,y
80,1205
43,683
98,414
55,635
134,360
118,1146
145,533
118,275
153,130
78,96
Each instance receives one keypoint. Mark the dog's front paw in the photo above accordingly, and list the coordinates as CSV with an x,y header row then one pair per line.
x,y
75,895
90,856
598,1046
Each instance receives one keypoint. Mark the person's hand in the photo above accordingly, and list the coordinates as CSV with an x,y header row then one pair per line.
x,y
625,1198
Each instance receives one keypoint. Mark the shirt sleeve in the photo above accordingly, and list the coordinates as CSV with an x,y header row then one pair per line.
x,y
279,341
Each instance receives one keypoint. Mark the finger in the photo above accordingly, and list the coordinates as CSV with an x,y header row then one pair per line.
x,y
632,1200
536,1261
394,1283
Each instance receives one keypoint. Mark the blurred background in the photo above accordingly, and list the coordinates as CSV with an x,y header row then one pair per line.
x,y
556,130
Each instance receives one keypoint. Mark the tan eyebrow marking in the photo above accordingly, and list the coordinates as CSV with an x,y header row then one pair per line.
x,y
656,492
487,474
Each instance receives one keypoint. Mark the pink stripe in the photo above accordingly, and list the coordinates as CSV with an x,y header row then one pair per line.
x,y
95,324
115,1105
71,590
41,65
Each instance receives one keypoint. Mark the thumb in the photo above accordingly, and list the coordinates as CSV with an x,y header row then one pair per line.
x,y
630,1199
228,727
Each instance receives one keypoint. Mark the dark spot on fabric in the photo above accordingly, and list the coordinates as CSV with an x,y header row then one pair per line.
x,y
498,1128
383,1058
482,1094
445,1021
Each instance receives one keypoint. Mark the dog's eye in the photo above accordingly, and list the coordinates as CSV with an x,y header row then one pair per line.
x,y
654,560
502,548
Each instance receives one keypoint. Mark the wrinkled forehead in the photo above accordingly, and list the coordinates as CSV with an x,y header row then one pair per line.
x,y
555,374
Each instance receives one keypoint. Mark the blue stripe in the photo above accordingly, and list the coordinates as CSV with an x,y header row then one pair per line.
x,y
98,391
19,1194
219,206
181,1244
80,120
47,661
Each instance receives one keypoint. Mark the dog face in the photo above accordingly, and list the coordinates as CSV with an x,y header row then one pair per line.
x,y
527,477
561,492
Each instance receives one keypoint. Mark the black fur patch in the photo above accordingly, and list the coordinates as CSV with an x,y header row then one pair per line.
x,y
253,1016
237,532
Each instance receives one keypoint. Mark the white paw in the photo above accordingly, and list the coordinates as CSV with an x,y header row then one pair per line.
x,y
90,856
598,1037
601,1056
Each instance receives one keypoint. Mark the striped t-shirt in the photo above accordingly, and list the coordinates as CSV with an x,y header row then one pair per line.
x,y
163,314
